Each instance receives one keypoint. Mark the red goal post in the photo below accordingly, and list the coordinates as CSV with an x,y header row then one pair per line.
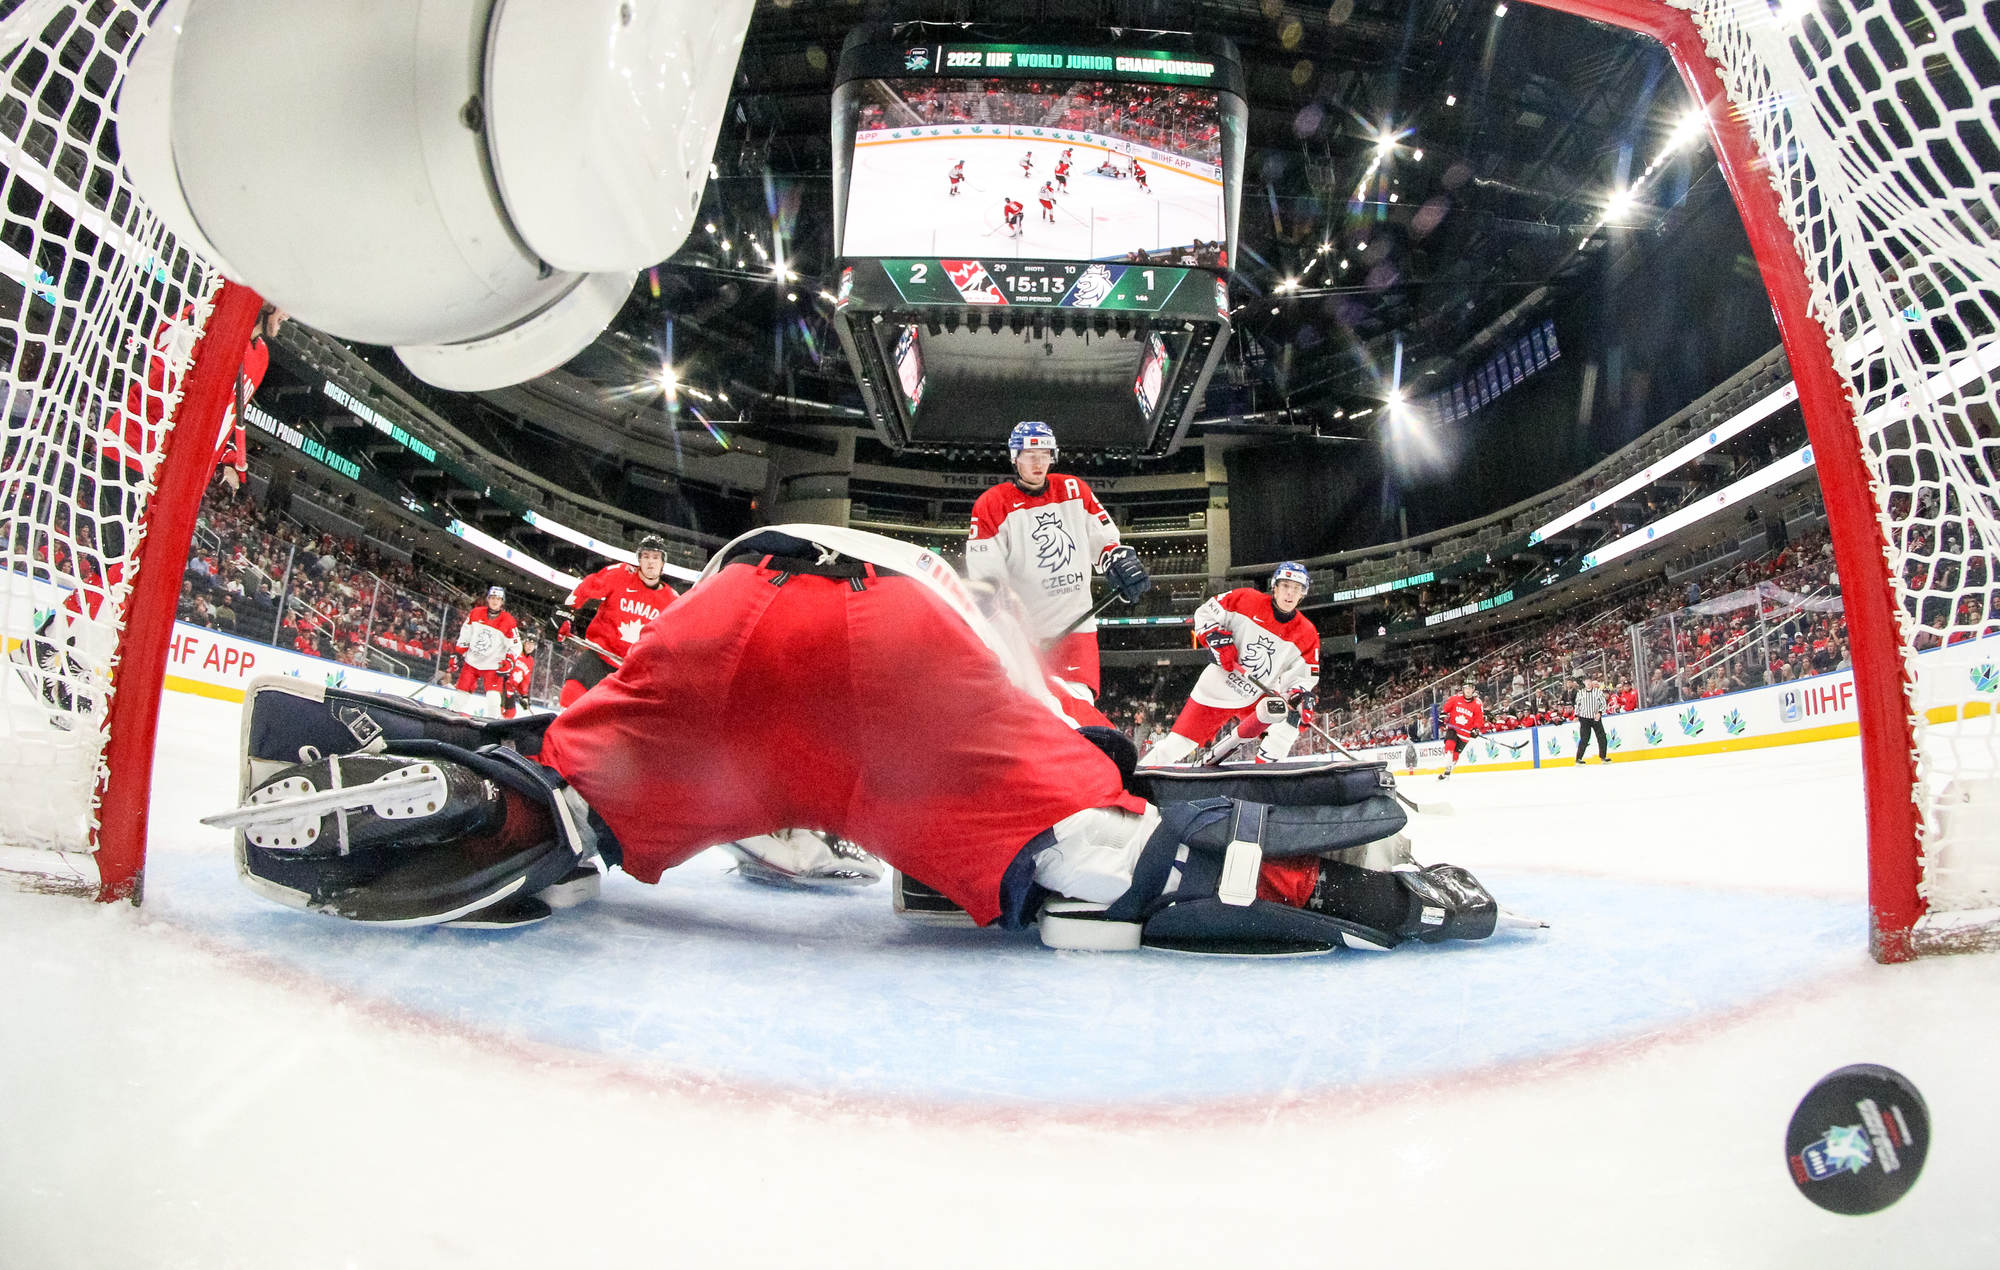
x,y
119,353
1860,165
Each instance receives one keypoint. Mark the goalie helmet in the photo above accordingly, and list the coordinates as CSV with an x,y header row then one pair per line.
x,y
1032,435
1291,571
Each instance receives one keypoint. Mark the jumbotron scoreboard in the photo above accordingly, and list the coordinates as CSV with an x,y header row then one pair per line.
x,y
1035,232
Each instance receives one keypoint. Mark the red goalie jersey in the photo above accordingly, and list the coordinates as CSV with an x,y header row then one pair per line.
x,y
628,605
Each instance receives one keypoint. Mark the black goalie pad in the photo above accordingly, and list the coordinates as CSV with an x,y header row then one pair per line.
x,y
1191,894
1314,781
282,715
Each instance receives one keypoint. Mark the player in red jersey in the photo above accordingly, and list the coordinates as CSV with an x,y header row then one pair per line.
x,y
1251,636
488,638
133,432
1011,210
957,176
628,596
1062,173
1048,201
520,673
1041,536
1139,175
1463,718
232,453
896,712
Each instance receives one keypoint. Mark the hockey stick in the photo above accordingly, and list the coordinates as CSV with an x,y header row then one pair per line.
x,y
1067,631
613,658
1436,809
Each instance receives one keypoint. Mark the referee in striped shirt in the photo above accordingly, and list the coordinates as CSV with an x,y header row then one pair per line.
x,y
1589,719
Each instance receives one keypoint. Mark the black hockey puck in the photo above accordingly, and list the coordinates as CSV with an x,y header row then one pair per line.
x,y
1858,1139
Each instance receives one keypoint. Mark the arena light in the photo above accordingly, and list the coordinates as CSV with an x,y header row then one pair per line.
x,y
1618,205
576,537
1689,131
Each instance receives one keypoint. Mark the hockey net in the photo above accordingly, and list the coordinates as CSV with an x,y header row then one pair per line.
x,y
1862,143
112,400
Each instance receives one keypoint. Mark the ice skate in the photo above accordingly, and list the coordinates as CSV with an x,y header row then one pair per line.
x,y
803,858
335,805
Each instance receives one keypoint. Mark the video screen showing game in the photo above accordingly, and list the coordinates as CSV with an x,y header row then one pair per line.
x,y
910,368
1062,170
1152,375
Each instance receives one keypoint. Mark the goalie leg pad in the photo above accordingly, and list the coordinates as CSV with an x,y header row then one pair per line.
x,y
1316,781
286,721
1282,832
1194,887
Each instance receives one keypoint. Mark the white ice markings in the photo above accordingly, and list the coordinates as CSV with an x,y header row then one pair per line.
x,y
831,995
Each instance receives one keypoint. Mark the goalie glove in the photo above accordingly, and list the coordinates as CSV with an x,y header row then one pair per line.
x,y
1127,576
1221,645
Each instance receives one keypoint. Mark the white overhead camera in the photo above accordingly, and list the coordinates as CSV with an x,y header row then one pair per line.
x,y
475,182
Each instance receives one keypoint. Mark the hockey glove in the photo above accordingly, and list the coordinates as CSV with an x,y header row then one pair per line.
x,y
1222,647
451,666
1300,703
562,620
1126,574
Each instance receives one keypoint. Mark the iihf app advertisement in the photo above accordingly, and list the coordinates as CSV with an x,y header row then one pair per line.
x,y
1056,171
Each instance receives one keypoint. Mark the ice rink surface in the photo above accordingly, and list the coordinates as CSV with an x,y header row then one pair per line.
x,y
899,203
711,1073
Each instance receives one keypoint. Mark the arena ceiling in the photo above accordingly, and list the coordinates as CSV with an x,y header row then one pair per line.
x,y
1526,120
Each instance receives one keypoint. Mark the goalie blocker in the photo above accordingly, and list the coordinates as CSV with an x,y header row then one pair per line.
x,y
382,810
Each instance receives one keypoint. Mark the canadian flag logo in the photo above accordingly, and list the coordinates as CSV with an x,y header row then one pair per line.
x,y
973,282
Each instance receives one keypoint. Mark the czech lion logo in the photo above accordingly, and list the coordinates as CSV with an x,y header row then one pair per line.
x,y
1092,287
1054,548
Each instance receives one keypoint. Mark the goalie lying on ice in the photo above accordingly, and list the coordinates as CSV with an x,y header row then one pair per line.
x,y
891,711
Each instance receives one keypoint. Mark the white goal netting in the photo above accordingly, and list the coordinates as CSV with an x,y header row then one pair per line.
x,y
99,315
1878,126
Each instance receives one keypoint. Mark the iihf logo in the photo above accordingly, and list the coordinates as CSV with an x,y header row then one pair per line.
x,y
917,60
1054,548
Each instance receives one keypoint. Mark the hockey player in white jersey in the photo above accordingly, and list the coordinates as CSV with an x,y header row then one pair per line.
x,y
1042,535
1255,639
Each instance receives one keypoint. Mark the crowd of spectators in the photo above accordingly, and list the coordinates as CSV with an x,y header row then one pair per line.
x,y
1786,602
1214,255
256,573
